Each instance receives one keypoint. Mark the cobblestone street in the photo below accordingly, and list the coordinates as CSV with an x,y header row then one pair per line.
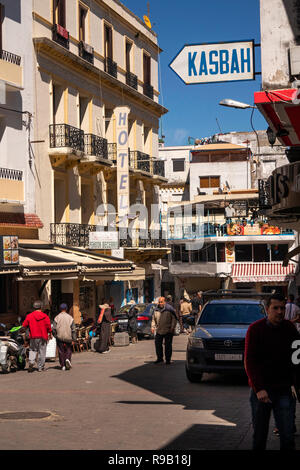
x,y
122,401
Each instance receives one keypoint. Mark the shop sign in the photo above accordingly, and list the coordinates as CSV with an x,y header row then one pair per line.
x,y
104,240
122,163
255,229
217,62
119,253
229,252
9,250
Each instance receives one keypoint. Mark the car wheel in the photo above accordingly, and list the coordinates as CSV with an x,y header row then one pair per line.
x,y
194,378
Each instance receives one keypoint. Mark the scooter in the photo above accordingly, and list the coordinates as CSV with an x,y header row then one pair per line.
x,y
12,351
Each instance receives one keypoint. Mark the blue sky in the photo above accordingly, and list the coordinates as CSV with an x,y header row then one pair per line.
x,y
193,109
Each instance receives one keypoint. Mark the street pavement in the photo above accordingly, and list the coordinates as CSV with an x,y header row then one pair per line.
x,y
122,401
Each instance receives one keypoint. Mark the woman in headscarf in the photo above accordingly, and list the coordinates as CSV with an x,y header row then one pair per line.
x,y
104,321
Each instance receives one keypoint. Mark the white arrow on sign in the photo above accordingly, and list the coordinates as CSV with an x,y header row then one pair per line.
x,y
219,62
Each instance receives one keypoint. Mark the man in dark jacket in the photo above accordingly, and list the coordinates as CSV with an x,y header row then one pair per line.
x,y
270,370
164,321
39,332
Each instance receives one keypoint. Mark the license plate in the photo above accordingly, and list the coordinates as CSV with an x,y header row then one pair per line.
x,y
228,357
123,321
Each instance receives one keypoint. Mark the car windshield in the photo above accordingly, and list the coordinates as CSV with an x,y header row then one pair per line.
x,y
231,314
126,308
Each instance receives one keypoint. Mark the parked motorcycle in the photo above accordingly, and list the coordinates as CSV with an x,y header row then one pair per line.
x,y
12,351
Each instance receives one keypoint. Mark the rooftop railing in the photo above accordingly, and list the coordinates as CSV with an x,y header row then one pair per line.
x,y
9,57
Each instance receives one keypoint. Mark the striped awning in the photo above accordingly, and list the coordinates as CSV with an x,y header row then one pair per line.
x,y
262,272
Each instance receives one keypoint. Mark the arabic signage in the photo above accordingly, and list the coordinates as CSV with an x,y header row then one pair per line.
x,y
104,240
255,229
9,250
218,62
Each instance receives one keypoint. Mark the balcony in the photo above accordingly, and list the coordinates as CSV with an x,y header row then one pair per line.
x,y
77,235
111,67
238,230
143,162
148,90
159,168
131,80
11,185
140,161
64,135
11,71
86,52
66,143
61,36
95,146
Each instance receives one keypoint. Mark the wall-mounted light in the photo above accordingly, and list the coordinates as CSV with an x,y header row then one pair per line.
x,y
271,136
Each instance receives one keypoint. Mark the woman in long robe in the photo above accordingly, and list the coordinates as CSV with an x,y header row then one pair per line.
x,y
104,321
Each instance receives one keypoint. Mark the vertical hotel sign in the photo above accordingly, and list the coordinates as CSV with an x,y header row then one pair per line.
x,y
122,163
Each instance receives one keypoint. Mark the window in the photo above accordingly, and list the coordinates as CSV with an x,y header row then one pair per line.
x,y
128,54
82,18
184,254
278,252
209,181
108,50
243,253
176,253
147,69
59,12
221,252
178,164
261,253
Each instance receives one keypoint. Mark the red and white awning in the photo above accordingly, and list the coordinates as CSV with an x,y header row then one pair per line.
x,y
262,272
281,109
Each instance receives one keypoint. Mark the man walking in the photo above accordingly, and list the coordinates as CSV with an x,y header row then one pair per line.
x,y
197,305
39,332
164,322
292,312
268,363
64,331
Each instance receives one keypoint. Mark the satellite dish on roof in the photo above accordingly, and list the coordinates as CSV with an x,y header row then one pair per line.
x,y
147,21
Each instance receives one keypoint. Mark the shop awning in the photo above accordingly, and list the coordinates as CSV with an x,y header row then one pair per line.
x,y
262,272
281,110
42,260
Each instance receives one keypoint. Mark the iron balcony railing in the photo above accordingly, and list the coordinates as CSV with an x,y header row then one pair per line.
x,y
139,161
86,52
112,152
96,146
264,195
148,90
9,57
61,36
131,80
143,162
9,174
111,67
77,235
159,168
64,135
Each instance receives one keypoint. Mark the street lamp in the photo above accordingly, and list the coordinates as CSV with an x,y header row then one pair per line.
x,y
235,104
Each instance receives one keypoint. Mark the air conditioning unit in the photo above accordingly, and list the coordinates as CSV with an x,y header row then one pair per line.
x,y
295,60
